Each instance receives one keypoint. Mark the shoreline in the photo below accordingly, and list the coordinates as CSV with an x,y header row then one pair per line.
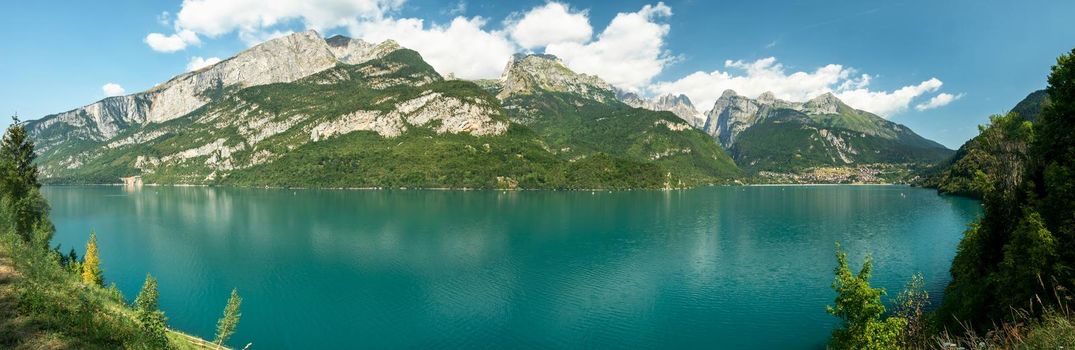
x,y
466,189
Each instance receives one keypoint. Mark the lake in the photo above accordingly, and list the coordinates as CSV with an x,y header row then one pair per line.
x,y
713,267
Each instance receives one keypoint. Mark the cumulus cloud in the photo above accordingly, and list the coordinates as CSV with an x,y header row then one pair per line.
x,y
754,78
942,99
258,19
550,24
462,48
172,43
885,103
198,62
112,89
628,53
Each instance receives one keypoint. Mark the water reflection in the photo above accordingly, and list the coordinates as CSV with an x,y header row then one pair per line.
x,y
388,269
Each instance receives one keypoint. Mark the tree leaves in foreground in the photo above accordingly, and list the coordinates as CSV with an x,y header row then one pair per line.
x,y
1021,252
91,265
226,325
861,309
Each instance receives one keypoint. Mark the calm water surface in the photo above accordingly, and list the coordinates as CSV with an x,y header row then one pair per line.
x,y
717,267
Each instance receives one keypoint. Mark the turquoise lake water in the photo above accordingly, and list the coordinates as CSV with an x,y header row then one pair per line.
x,y
714,267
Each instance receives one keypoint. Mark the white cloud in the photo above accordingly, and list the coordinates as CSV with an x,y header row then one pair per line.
x,y
627,54
197,62
258,19
172,43
550,24
112,89
766,74
885,103
462,48
942,99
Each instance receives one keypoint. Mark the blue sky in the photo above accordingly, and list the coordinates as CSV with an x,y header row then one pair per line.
x,y
985,55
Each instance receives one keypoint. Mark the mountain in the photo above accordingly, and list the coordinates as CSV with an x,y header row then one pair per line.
x,y
306,111
1031,106
580,117
767,134
957,175
680,105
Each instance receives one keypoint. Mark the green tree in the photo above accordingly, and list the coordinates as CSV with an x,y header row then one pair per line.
x,y
861,309
148,297
1054,177
91,265
911,305
18,149
154,323
1023,246
225,327
27,209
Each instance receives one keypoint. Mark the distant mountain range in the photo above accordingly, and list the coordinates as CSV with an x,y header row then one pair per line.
x,y
305,111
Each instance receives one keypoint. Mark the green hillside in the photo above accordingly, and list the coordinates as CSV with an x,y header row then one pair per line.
x,y
789,141
978,155
263,136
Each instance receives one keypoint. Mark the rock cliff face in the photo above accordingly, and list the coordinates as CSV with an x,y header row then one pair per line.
x,y
770,134
339,112
279,60
680,105
732,114
525,74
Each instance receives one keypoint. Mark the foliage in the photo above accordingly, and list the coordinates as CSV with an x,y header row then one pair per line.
x,y
91,266
25,207
911,305
46,301
570,138
154,324
790,141
958,175
226,325
147,299
861,309
1023,248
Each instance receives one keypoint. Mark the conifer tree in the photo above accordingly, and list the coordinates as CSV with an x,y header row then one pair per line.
x,y
226,325
91,266
148,297
154,323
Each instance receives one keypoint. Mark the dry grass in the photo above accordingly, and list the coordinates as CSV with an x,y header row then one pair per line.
x,y
1038,326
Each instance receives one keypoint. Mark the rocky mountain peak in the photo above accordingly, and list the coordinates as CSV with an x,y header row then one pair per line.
x,y
728,93
279,60
356,51
675,100
826,103
526,73
767,96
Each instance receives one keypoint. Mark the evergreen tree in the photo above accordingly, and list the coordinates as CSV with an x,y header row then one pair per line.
x,y
226,325
154,323
861,309
18,150
91,266
155,328
21,198
148,298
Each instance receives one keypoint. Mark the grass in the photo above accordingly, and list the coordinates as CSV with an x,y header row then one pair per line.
x,y
44,305
1037,326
